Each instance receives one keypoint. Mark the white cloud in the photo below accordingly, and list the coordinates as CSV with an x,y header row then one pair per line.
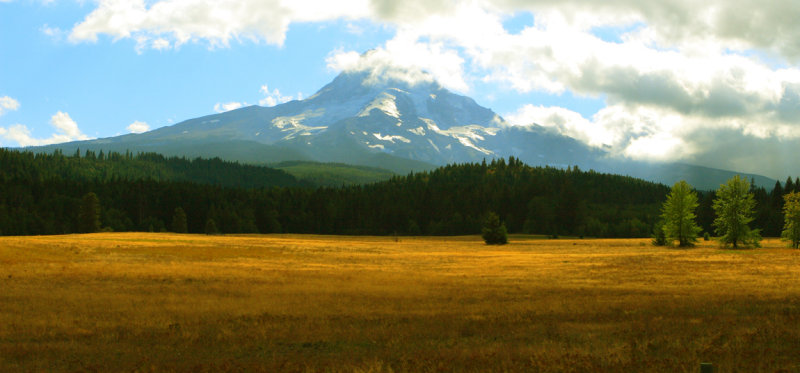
x,y
270,98
274,97
53,32
66,130
564,121
138,127
213,21
160,44
745,24
8,103
223,107
407,60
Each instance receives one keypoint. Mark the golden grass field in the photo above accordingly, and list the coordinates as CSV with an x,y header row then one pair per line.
x,y
168,302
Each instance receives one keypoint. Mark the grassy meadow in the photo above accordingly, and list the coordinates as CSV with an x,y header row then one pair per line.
x,y
168,302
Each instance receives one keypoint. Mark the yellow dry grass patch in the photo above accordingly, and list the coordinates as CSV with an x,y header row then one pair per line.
x,y
169,302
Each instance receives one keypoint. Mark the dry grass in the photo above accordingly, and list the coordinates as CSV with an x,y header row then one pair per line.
x,y
165,302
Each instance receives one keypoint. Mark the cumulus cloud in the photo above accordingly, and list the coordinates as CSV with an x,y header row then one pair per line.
x,y
155,24
138,127
228,106
66,130
744,24
406,59
8,104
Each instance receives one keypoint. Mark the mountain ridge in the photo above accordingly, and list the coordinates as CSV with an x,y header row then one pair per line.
x,y
387,123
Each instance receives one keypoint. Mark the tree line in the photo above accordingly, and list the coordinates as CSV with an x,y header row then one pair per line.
x,y
55,194
108,167
734,208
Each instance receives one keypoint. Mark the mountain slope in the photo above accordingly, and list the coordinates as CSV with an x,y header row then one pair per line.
x,y
365,120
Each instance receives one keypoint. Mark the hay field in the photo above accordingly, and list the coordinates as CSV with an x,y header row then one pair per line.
x,y
169,302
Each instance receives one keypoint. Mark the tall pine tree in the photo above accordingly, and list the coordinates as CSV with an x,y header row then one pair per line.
x,y
89,214
179,221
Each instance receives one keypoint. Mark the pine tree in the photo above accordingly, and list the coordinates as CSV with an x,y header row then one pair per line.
x,y
791,215
735,207
494,232
211,227
678,215
659,239
179,221
89,214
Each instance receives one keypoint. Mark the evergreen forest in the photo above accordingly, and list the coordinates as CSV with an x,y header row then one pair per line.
x,y
44,194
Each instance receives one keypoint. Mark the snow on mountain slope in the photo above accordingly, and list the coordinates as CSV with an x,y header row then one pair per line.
x,y
355,115
387,123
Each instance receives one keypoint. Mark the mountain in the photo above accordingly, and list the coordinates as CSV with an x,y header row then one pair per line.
x,y
377,121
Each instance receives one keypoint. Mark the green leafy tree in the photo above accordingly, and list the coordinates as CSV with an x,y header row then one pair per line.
x,y
89,214
791,216
678,215
494,232
734,207
179,221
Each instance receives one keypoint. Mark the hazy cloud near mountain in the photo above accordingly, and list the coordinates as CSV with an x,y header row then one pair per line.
x,y
138,127
674,74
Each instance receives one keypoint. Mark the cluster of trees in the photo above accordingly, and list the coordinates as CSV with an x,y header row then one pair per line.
x,y
734,206
42,194
56,194
100,167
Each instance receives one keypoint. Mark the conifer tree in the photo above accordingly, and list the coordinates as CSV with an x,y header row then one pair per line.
x,y
211,227
791,216
89,214
734,207
678,215
659,239
179,221
494,232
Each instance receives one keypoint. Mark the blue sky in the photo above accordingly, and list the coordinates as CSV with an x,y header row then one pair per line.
x,y
650,80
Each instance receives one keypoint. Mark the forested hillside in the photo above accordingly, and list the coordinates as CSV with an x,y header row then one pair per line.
x,y
42,194
332,174
100,167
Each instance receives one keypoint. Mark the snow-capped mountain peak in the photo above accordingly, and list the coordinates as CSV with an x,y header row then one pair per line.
x,y
358,115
